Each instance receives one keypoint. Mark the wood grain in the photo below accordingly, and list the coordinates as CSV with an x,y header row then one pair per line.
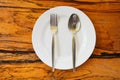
x,y
104,5
93,69
19,17
18,60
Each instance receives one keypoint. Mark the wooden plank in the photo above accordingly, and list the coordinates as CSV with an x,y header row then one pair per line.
x,y
17,22
84,5
99,1
107,30
16,31
18,57
93,69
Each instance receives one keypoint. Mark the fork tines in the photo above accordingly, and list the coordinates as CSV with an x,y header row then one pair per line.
x,y
53,19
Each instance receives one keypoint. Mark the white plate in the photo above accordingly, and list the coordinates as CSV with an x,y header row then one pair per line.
x,y
42,38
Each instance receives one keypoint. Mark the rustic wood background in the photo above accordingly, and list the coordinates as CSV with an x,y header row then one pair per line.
x,y
18,60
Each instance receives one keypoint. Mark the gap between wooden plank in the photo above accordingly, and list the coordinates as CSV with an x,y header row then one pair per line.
x,y
93,69
105,56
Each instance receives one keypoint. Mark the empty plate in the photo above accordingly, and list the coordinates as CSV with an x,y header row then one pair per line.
x,y
42,38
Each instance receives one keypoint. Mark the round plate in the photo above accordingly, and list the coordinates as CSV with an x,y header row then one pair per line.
x,y
42,38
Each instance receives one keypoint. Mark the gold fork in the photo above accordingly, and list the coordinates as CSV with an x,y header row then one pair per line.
x,y
54,29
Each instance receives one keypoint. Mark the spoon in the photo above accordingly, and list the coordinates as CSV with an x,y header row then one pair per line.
x,y
74,27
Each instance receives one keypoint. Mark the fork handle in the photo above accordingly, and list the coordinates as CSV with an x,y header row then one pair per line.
x,y
53,53
74,52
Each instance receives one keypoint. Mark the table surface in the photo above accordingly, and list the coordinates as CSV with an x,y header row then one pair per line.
x,y
18,60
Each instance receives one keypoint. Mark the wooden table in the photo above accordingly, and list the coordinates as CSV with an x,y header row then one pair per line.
x,y
18,60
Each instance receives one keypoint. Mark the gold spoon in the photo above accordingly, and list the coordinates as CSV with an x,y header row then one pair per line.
x,y
74,27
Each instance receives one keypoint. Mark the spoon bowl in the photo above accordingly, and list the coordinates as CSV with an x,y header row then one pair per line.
x,y
74,23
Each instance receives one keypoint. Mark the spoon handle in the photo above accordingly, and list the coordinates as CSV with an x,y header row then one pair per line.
x,y
74,52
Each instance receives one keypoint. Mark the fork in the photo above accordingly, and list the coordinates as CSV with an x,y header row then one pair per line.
x,y
54,29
